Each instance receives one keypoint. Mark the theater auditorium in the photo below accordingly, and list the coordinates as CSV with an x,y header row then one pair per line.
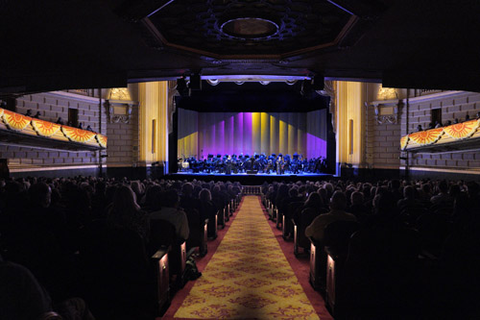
x,y
239,159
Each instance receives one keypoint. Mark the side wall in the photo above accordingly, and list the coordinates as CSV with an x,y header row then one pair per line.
x,y
454,105
52,105
383,157
123,140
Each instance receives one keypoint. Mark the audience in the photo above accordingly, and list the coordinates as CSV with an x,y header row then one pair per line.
x,y
338,205
168,202
125,212
42,220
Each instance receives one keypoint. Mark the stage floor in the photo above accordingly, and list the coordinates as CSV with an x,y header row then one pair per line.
x,y
251,179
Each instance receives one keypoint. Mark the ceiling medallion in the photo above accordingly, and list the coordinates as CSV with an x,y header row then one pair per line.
x,y
250,28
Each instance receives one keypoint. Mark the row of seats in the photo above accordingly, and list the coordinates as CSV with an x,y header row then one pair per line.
x,y
83,237
170,259
397,259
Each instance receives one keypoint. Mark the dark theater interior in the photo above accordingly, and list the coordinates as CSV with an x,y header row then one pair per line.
x,y
239,159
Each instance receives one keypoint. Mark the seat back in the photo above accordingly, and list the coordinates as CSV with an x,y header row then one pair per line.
x,y
162,233
338,234
116,270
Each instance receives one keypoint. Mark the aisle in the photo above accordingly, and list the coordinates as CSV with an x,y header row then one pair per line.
x,y
248,276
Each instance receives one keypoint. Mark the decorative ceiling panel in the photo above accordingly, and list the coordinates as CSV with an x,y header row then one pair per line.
x,y
251,27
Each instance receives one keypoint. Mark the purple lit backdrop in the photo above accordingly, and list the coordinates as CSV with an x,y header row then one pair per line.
x,y
204,133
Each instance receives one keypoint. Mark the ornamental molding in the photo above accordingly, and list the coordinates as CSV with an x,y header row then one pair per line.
x,y
386,111
112,108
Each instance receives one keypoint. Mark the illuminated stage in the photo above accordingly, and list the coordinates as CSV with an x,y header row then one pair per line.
x,y
252,179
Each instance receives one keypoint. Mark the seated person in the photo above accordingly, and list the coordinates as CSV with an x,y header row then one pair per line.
x,y
168,202
338,204
21,296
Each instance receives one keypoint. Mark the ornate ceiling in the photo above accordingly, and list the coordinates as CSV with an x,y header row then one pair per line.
x,y
78,44
255,28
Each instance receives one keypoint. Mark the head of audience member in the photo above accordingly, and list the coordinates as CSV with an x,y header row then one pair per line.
x,y
314,201
124,201
40,195
394,184
56,197
177,185
187,189
356,198
323,194
426,190
443,186
293,192
282,192
169,199
205,195
454,190
338,201
329,188
384,204
152,195
409,192
137,188
216,190
78,199
109,193
100,188
473,189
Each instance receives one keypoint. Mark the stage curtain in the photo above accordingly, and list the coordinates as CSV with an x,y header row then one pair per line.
x,y
316,133
204,133
188,135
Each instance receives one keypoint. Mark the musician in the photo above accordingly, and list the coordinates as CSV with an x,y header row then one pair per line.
x,y
247,163
279,164
295,165
234,163
286,163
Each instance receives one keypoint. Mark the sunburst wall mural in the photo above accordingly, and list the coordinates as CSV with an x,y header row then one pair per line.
x,y
12,121
440,136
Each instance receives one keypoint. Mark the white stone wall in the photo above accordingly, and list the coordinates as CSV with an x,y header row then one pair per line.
x,y
454,104
52,106
123,142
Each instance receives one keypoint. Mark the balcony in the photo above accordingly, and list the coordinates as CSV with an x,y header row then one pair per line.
x,y
464,136
19,130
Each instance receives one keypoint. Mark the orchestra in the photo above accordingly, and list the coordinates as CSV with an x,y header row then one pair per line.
x,y
257,163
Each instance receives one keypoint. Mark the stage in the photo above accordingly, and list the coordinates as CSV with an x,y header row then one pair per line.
x,y
251,179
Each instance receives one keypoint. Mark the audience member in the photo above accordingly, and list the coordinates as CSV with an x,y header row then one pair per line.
x,y
125,212
338,204
170,211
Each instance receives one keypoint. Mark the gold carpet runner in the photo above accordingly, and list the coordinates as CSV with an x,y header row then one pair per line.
x,y
248,277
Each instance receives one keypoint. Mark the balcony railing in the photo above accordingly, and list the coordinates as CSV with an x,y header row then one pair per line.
x,y
84,92
424,92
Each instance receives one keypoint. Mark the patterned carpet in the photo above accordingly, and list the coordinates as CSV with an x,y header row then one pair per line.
x,y
248,277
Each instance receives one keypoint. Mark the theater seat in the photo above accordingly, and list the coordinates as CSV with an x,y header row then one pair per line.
x,y
162,233
382,273
213,227
161,275
336,240
117,273
318,262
